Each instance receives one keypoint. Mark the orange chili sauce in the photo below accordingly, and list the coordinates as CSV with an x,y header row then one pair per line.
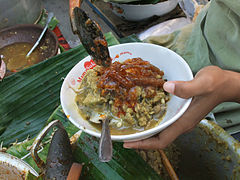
x,y
122,78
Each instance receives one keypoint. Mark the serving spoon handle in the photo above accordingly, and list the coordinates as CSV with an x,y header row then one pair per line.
x,y
105,144
50,16
2,68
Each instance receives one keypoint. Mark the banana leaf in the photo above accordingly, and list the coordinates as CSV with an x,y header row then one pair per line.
x,y
27,100
30,176
29,97
42,21
126,163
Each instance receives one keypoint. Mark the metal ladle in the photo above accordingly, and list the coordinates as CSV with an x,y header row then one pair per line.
x,y
50,16
91,36
95,44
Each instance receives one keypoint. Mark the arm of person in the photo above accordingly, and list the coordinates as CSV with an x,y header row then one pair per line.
x,y
210,87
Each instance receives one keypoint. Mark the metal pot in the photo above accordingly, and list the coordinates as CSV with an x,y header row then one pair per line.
x,y
12,167
208,152
59,163
19,12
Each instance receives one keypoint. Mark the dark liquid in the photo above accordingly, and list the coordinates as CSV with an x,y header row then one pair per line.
x,y
15,59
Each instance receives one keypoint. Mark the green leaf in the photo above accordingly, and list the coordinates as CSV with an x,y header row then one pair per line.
x,y
29,97
126,163
30,176
27,100
42,21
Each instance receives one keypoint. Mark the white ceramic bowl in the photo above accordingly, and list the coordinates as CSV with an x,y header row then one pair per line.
x,y
139,12
174,67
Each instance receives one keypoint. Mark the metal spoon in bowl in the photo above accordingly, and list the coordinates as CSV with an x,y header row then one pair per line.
x,y
105,144
50,16
96,45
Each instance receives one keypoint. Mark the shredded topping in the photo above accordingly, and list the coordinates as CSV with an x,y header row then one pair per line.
x,y
122,79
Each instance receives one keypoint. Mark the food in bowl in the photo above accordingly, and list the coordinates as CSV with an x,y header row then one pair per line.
x,y
14,56
10,172
12,168
130,92
173,66
16,42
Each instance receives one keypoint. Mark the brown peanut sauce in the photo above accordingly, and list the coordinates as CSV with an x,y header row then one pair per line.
x,y
130,93
122,79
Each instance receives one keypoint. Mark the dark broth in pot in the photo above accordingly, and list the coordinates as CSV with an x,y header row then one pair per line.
x,y
10,172
14,56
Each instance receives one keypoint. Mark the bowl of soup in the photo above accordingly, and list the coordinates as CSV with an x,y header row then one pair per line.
x,y
16,42
135,11
12,167
129,91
